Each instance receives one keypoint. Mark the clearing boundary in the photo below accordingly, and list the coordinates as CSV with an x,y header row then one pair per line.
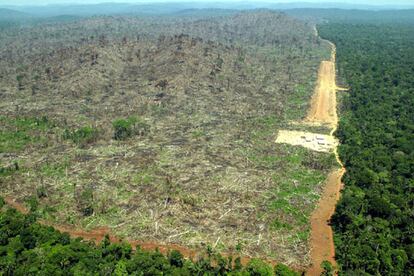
x,y
323,111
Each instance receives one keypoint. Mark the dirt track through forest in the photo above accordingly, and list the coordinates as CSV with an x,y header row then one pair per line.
x,y
324,110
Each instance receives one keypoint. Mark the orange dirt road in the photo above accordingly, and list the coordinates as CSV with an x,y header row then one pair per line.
x,y
324,110
322,243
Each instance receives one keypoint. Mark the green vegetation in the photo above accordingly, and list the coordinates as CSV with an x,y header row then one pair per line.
x,y
328,269
8,170
125,128
82,136
283,270
374,223
17,132
298,101
28,248
259,268
145,177
357,16
296,175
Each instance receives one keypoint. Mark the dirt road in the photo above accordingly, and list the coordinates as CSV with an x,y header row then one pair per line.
x,y
323,106
323,110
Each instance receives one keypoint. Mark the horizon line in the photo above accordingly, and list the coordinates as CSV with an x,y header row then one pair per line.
x,y
311,2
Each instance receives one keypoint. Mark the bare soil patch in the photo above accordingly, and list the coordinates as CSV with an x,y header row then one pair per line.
x,y
313,141
323,248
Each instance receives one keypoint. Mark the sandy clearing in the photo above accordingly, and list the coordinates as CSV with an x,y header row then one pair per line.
x,y
313,141
16,205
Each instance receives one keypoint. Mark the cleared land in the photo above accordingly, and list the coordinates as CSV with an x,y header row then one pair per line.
x,y
164,130
322,112
313,141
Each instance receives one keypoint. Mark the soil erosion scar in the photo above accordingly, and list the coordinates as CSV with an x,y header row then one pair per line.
x,y
323,110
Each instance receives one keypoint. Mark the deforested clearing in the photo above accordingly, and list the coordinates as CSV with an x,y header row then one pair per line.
x,y
163,129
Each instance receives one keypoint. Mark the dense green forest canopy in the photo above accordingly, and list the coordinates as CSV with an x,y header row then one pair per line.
x,y
374,219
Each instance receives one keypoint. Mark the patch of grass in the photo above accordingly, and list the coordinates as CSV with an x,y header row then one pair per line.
x,y
144,177
81,136
263,126
17,133
158,110
46,212
125,128
12,141
198,134
29,123
303,235
165,156
55,170
298,100
124,194
295,175
262,131
278,225
9,170
296,184
263,159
